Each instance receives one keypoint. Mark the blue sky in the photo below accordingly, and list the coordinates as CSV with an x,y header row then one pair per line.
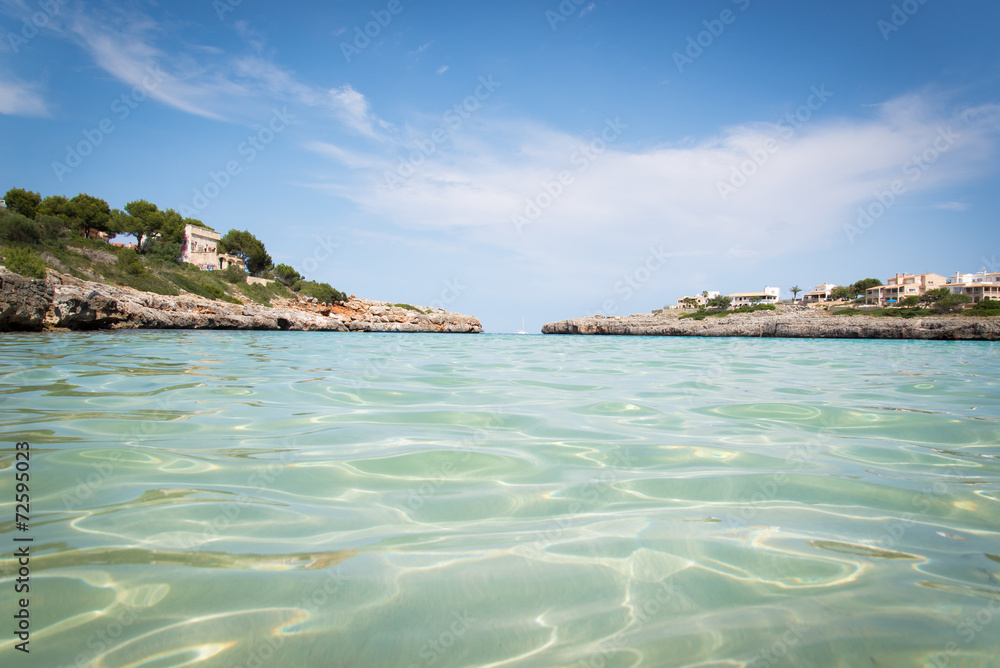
x,y
528,159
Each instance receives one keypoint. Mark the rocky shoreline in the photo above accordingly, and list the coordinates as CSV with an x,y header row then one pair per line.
x,y
786,322
62,302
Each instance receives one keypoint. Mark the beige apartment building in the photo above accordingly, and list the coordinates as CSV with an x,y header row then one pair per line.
x,y
904,285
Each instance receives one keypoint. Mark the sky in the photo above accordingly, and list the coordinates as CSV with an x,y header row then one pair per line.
x,y
528,160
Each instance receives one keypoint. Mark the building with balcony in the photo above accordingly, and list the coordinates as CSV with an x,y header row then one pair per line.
x,y
979,286
200,248
820,293
904,285
768,295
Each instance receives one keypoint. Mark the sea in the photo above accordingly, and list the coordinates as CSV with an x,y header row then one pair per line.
x,y
300,499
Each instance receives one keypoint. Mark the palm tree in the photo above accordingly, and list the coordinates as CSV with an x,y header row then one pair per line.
x,y
795,290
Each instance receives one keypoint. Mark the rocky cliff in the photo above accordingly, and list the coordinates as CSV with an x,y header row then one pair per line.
x,y
790,322
63,302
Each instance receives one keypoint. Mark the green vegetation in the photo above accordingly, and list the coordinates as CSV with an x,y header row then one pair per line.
x,y
410,307
841,293
720,302
248,248
321,292
795,290
22,261
702,313
987,307
52,232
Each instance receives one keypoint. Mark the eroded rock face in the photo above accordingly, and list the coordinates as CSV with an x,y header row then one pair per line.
x,y
64,302
790,323
23,302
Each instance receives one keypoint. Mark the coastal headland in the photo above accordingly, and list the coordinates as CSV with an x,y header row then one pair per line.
x,y
63,302
785,322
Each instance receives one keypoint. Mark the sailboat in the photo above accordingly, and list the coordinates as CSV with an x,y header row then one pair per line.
x,y
522,330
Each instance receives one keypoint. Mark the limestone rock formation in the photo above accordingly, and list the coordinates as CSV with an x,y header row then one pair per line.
x,y
64,302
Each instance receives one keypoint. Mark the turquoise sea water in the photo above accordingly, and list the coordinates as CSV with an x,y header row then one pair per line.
x,y
316,499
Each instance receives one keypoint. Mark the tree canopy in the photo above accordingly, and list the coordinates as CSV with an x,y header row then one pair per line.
x,y
720,302
248,248
141,219
841,293
23,202
859,287
287,274
90,213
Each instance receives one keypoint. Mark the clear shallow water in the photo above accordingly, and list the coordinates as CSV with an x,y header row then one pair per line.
x,y
317,499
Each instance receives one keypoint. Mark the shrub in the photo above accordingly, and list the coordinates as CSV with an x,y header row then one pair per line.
x,y
164,251
322,292
951,303
130,263
22,261
53,227
257,292
908,301
234,274
988,305
17,229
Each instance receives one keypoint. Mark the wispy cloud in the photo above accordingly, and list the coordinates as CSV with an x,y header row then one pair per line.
x,y
420,49
123,44
353,109
442,69
952,206
803,195
19,98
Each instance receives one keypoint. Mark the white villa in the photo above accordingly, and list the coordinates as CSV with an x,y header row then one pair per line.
x,y
200,248
768,296
979,286
904,285
820,293
699,300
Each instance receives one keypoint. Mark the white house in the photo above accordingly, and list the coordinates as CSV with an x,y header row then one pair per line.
x,y
820,293
979,286
768,295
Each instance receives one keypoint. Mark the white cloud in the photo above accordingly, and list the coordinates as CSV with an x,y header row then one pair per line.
x,y
442,69
952,206
805,192
18,98
353,110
